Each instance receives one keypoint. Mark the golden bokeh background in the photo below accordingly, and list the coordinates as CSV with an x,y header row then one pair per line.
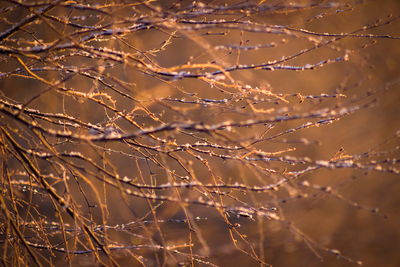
x,y
314,223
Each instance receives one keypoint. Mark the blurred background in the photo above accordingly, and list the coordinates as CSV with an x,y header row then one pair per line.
x,y
278,139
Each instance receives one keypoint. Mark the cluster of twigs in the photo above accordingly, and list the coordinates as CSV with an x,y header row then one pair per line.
x,y
130,130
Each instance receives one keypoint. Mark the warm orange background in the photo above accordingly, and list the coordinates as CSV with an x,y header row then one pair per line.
x,y
373,65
